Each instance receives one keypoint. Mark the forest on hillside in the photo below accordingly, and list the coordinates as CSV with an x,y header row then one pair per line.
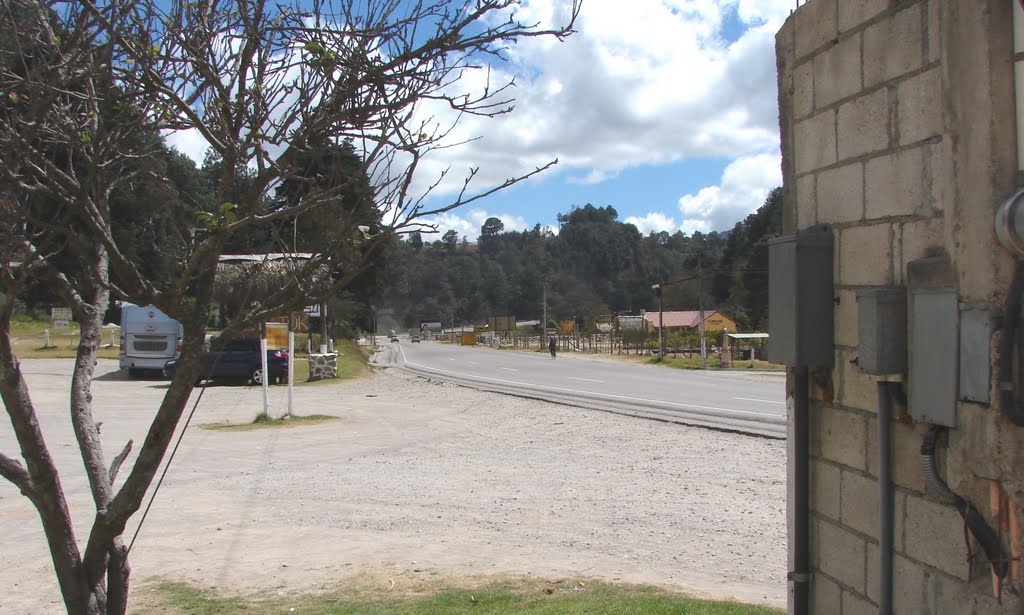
x,y
595,265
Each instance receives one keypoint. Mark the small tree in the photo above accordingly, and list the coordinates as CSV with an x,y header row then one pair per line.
x,y
86,85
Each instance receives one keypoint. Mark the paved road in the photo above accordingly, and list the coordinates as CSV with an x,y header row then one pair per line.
x,y
739,401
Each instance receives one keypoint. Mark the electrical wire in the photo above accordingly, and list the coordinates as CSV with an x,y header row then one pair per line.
x,y
167,466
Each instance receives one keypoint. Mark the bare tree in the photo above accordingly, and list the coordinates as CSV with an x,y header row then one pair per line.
x,y
87,84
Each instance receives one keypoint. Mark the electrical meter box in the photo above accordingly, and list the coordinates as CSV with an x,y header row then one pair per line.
x,y
882,330
800,299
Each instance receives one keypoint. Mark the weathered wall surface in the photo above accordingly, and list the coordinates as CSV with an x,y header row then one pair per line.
x,y
898,131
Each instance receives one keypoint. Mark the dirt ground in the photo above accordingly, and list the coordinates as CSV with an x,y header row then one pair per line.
x,y
416,480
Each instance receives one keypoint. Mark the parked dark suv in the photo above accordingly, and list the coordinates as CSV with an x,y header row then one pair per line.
x,y
240,358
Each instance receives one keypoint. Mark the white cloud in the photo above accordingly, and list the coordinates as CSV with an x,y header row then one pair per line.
x,y
644,83
188,142
653,223
745,184
468,224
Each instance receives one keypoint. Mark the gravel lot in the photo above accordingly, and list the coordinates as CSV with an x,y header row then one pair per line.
x,y
416,480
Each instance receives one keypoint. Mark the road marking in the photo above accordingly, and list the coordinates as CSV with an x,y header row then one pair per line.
x,y
473,363
586,379
764,401
509,369
608,395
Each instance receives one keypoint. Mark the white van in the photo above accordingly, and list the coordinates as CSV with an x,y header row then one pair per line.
x,y
149,338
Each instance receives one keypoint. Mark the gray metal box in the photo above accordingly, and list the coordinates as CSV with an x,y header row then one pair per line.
x,y
800,299
934,341
882,329
976,326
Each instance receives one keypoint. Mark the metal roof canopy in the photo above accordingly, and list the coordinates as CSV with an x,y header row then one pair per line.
x,y
748,336
271,256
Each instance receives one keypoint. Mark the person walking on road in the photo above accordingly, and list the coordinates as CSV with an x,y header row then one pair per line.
x,y
553,345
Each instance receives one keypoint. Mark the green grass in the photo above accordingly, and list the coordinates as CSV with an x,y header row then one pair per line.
x,y
713,363
27,334
262,421
680,362
500,597
353,362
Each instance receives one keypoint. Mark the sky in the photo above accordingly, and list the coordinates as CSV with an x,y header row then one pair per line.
x,y
665,110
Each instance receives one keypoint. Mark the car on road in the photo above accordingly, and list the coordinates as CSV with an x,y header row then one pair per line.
x,y
394,338
415,339
240,359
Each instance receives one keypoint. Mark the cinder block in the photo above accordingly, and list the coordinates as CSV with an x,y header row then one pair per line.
x,y
907,587
846,319
857,605
918,116
806,201
842,555
856,389
841,194
916,240
933,534
815,25
906,455
860,503
826,595
978,432
934,31
894,47
863,125
895,184
815,142
803,90
837,72
865,256
825,489
842,437
853,13
946,595
941,177
872,566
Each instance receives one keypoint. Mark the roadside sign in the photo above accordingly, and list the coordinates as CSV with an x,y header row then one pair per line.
x,y
312,310
61,317
277,336
300,322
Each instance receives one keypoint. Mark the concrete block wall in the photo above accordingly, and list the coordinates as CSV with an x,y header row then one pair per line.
x,y
897,129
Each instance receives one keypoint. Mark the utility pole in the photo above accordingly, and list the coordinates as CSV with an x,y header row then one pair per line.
x,y
544,321
661,312
700,306
661,323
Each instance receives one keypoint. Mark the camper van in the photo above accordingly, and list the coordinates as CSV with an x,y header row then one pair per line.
x,y
149,338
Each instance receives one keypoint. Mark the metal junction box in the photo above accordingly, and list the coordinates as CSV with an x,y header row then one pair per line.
x,y
934,354
882,330
800,299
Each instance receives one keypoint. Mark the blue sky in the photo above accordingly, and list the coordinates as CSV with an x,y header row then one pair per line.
x,y
664,109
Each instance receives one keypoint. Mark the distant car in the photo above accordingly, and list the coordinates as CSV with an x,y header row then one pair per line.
x,y
394,338
415,339
240,358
